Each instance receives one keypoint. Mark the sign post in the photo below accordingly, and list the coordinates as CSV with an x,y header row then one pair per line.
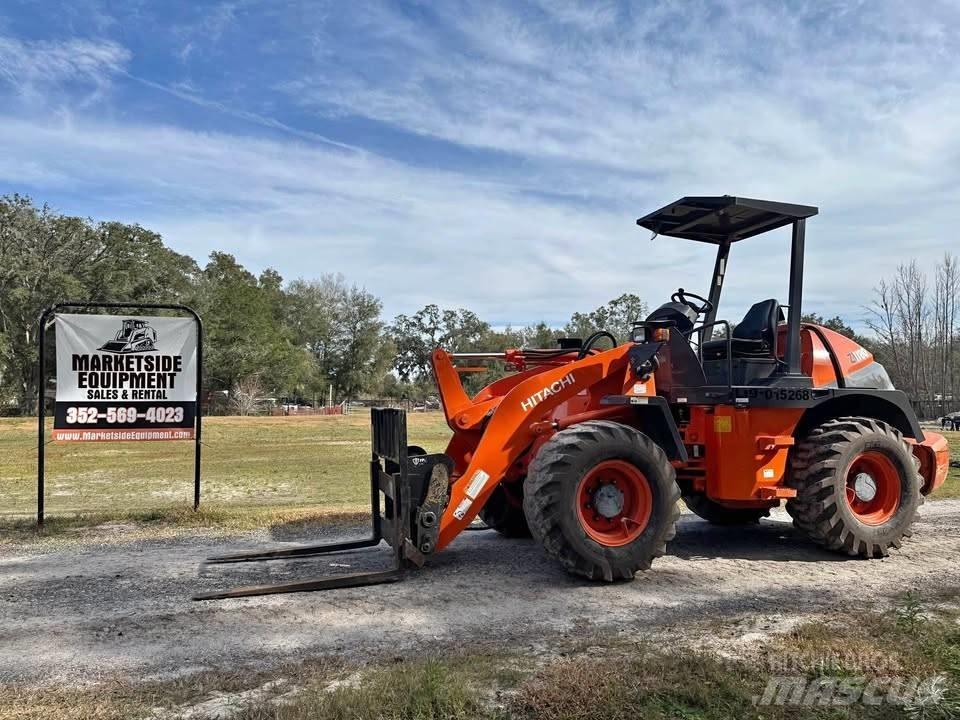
x,y
122,378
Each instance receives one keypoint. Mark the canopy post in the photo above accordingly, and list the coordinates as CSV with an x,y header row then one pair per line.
x,y
796,294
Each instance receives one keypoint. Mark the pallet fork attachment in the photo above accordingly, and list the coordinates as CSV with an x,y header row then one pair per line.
x,y
390,475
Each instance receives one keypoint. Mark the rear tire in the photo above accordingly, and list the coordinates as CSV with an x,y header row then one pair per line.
x,y
602,500
503,511
717,514
858,487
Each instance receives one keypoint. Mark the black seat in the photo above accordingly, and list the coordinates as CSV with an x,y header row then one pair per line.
x,y
757,332
754,336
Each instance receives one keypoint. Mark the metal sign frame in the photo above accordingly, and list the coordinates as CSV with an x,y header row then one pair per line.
x,y
42,382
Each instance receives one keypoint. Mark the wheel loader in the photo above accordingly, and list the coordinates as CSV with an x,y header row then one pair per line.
x,y
590,446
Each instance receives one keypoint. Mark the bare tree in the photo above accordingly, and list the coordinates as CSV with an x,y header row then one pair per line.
x,y
947,298
248,396
883,322
913,314
917,329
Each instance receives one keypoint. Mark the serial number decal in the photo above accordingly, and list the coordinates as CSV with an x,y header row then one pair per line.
x,y
783,394
118,415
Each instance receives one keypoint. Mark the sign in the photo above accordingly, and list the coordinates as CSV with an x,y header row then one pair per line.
x,y
125,378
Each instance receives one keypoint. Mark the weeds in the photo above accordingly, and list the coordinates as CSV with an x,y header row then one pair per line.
x,y
910,613
629,681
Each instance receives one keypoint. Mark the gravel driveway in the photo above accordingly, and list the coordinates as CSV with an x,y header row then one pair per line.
x,y
82,613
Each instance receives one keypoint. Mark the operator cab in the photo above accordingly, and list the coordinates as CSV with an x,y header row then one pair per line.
x,y
749,352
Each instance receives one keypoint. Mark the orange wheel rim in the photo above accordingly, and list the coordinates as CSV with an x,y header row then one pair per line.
x,y
873,488
614,502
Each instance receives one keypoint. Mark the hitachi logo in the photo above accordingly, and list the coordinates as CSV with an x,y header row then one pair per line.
x,y
538,397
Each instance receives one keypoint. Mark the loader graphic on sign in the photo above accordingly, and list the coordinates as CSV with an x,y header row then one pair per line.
x,y
135,336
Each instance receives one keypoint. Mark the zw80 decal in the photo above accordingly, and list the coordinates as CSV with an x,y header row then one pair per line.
x,y
782,394
858,355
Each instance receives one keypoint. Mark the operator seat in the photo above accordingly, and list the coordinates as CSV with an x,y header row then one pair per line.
x,y
753,337
756,334
753,343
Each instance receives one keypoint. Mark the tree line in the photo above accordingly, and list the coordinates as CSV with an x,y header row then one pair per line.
x,y
309,338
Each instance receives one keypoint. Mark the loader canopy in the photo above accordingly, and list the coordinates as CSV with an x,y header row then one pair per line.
x,y
723,220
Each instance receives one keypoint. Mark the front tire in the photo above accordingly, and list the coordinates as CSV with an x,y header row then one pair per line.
x,y
503,511
858,487
601,498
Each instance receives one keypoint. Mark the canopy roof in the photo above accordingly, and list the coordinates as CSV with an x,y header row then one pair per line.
x,y
722,218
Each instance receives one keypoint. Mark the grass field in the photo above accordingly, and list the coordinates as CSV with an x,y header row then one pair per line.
x,y
250,465
252,468
951,488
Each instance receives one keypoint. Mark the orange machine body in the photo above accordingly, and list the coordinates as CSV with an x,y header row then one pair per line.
x,y
737,454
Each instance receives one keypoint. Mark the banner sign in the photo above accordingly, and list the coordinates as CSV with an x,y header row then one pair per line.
x,y
125,378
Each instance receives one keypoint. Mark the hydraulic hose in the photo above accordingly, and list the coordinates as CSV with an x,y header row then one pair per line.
x,y
589,342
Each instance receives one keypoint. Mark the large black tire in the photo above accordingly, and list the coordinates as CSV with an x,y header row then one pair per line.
x,y
552,490
821,469
717,514
503,511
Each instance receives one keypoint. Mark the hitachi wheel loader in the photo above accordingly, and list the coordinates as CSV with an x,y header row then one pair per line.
x,y
590,446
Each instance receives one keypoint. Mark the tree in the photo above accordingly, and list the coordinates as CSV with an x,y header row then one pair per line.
x,y
946,306
362,354
244,332
836,323
46,258
916,331
616,317
340,326
417,336
540,335
248,397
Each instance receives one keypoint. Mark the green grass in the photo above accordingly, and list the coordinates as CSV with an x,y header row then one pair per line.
x,y
951,488
249,464
255,471
427,690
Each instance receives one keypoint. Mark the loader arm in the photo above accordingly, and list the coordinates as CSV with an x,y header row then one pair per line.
x,y
514,422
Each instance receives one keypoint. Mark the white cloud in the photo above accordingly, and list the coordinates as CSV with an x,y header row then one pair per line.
x,y
413,236
602,111
36,68
853,108
693,92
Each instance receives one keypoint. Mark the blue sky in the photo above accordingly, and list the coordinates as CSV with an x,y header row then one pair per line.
x,y
494,155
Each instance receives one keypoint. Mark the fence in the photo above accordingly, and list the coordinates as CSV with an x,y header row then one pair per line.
x,y
305,410
407,405
935,409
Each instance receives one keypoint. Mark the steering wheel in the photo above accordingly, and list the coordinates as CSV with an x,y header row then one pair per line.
x,y
680,296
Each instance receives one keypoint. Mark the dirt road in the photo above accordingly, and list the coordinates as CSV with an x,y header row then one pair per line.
x,y
83,613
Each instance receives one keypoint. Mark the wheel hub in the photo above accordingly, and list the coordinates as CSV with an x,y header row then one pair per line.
x,y
873,487
865,487
614,502
608,501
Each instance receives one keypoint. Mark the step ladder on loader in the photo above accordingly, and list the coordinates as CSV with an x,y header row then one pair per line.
x,y
415,488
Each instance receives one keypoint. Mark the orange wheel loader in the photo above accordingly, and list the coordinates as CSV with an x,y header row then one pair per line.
x,y
589,446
